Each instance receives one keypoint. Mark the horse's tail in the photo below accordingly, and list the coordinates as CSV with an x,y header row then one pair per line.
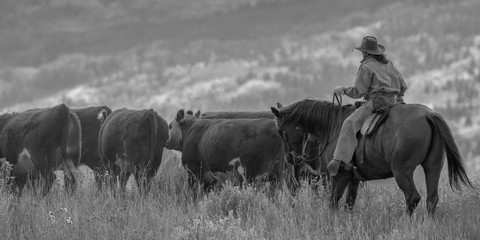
x,y
456,169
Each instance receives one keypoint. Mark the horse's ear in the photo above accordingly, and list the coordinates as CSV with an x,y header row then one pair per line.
x,y
276,112
279,105
180,115
197,114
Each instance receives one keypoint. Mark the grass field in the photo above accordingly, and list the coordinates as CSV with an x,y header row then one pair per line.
x,y
170,211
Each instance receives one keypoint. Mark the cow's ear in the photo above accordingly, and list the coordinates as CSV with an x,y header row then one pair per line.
x,y
102,115
279,105
189,112
197,114
180,115
276,112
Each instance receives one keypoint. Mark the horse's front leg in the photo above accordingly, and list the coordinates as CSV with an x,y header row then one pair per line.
x,y
339,183
352,194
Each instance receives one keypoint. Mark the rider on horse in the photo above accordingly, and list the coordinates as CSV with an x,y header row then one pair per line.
x,y
380,83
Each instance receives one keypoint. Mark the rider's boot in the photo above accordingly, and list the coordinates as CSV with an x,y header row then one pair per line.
x,y
333,167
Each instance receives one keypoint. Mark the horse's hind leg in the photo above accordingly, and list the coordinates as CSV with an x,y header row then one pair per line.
x,y
432,167
406,184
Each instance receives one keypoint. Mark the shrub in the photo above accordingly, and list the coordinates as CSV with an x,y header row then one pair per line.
x,y
6,177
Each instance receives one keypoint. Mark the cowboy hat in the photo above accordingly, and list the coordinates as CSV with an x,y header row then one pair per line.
x,y
370,45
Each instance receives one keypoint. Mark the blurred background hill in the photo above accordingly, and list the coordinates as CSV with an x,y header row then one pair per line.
x,y
236,54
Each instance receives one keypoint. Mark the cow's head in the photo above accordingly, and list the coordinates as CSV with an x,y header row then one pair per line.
x,y
178,128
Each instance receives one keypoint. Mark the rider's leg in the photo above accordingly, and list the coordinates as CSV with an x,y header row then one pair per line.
x,y
347,140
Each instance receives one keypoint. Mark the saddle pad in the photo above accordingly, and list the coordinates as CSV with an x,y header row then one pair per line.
x,y
369,124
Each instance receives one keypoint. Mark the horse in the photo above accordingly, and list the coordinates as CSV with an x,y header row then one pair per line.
x,y
412,135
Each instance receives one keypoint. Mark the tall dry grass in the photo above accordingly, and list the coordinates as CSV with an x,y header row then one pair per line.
x,y
170,211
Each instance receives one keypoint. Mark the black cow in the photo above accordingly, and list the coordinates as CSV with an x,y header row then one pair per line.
x,y
91,118
250,148
290,177
132,141
39,141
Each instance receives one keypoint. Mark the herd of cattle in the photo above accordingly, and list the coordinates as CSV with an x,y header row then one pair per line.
x,y
246,145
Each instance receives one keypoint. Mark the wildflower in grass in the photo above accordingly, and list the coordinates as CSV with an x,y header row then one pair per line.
x,y
60,212
52,216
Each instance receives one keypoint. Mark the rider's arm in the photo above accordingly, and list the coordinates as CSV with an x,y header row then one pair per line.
x,y
403,86
362,83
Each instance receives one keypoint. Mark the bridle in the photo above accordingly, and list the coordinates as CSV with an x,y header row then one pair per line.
x,y
307,136
305,139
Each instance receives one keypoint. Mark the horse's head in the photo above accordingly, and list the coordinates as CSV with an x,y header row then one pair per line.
x,y
299,143
178,127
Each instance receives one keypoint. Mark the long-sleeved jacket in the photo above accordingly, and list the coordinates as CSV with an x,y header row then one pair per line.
x,y
374,77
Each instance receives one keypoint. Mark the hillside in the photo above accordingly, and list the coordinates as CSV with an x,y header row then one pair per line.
x,y
242,55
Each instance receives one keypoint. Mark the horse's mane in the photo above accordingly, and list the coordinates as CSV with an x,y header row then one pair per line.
x,y
316,115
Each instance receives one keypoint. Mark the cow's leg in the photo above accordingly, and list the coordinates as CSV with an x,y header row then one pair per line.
x,y
406,184
144,178
123,179
112,176
278,175
46,175
99,177
74,175
152,171
47,178
19,183
141,180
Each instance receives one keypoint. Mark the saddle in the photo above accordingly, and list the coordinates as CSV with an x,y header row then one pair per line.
x,y
381,108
